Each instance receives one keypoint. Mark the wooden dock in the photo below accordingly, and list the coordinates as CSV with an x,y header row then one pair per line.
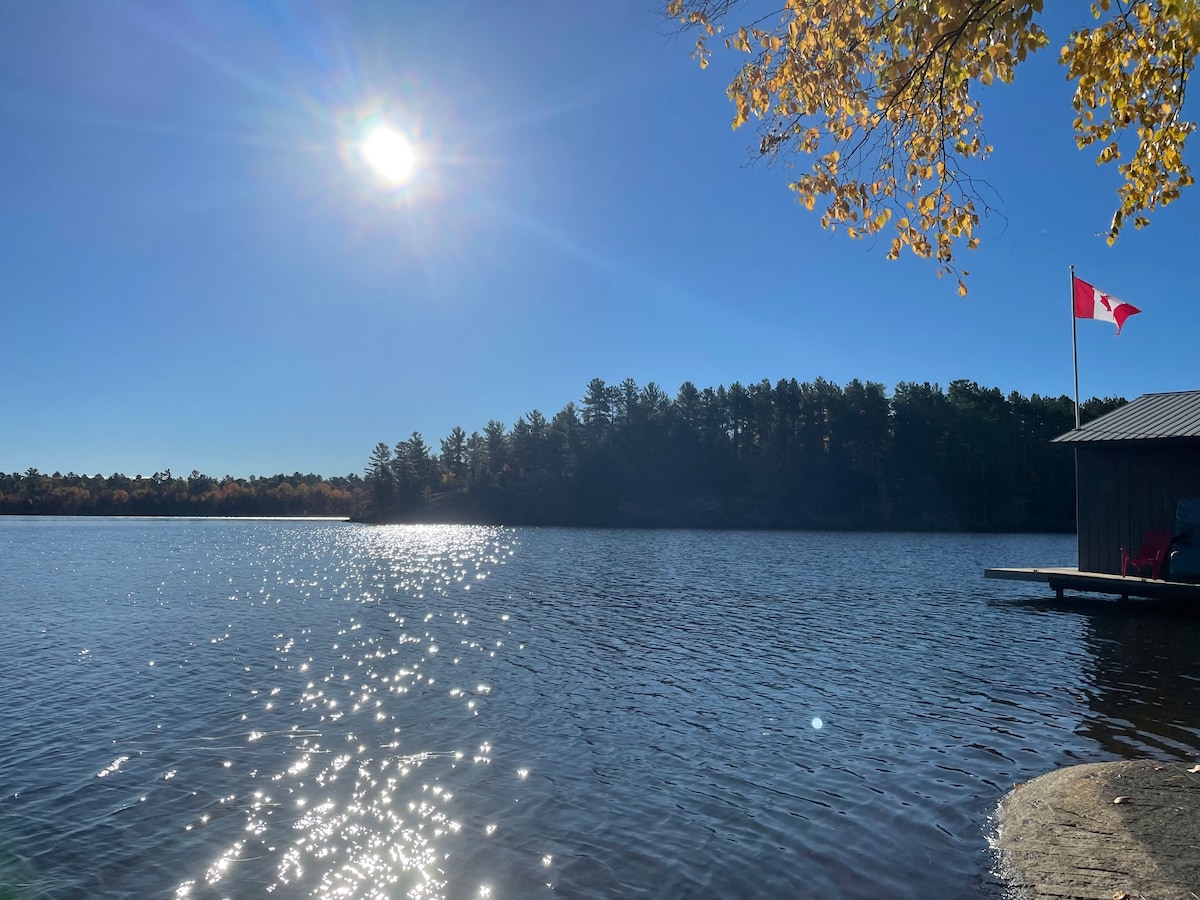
x,y
1124,586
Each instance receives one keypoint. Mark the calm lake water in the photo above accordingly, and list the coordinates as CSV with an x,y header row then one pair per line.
x,y
224,708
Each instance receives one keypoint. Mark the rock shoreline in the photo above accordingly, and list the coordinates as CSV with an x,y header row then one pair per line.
x,y
1104,831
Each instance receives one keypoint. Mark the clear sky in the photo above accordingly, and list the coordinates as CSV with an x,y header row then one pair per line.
x,y
197,270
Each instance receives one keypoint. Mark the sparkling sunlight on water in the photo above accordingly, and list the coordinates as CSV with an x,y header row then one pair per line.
x,y
206,709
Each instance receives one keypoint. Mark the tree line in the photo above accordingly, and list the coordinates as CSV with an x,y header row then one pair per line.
x,y
163,494
784,455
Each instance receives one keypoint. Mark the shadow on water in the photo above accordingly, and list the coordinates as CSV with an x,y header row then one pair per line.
x,y
1143,674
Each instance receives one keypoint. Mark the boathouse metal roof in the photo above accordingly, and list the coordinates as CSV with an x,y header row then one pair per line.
x,y
1151,417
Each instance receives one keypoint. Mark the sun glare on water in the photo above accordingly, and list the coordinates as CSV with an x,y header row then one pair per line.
x,y
390,154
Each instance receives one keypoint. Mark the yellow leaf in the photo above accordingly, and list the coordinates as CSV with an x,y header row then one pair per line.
x,y
890,93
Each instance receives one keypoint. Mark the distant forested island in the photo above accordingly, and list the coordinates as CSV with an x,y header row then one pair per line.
x,y
810,455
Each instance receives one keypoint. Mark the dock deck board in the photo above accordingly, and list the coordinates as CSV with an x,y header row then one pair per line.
x,y
1062,578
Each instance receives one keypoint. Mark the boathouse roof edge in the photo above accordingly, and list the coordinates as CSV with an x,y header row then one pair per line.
x,y
1167,416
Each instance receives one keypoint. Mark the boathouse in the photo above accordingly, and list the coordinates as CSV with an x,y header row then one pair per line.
x,y
1134,465
1138,471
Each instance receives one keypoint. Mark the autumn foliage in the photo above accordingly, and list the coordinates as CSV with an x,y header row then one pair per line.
x,y
882,97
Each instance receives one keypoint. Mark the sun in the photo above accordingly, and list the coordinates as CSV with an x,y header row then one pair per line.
x,y
390,154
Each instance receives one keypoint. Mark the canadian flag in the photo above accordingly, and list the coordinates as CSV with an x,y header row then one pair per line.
x,y
1092,303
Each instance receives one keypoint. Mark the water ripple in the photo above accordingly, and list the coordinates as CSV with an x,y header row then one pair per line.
x,y
205,708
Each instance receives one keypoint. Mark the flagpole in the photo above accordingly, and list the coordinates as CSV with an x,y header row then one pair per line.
x,y
1074,347
1075,360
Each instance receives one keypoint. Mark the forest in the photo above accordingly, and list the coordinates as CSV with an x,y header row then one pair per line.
x,y
806,455
811,455
163,494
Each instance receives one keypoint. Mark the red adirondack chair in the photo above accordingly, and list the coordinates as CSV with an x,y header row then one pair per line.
x,y
1156,544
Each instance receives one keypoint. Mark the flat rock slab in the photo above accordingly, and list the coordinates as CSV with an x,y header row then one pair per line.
x,y
1124,830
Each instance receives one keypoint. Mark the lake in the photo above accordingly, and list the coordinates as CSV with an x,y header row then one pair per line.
x,y
237,708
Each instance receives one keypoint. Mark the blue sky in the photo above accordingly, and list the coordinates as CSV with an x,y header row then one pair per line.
x,y
200,273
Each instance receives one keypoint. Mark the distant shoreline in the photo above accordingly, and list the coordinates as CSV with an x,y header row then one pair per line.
x,y
351,520
286,518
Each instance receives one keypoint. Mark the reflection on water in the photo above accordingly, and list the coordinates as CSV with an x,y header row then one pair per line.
x,y
287,705
1144,671
206,708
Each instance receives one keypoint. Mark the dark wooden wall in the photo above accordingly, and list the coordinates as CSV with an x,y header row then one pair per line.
x,y
1127,489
